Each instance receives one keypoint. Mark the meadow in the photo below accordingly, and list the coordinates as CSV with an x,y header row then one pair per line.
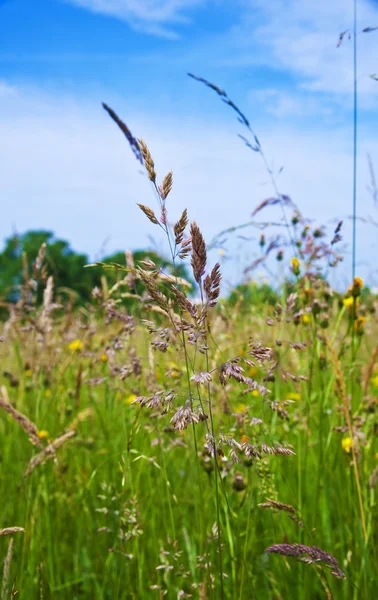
x,y
191,445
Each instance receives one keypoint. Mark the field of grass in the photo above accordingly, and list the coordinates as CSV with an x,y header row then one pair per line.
x,y
154,445
144,455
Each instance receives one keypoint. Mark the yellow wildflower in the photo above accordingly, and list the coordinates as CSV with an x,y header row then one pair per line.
x,y
359,324
293,396
295,265
375,381
240,408
244,439
255,393
356,287
306,319
48,393
130,399
104,357
76,346
348,302
347,444
28,373
358,282
376,455
43,434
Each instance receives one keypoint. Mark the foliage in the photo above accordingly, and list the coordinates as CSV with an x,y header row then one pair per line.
x,y
65,265
67,268
251,294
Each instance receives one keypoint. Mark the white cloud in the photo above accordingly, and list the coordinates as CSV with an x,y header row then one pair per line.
x,y
282,104
6,89
151,16
66,166
300,37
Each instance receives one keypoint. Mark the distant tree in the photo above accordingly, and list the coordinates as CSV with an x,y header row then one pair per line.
x,y
65,265
252,294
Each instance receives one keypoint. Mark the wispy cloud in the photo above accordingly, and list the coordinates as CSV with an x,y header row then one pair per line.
x,y
6,89
151,16
66,167
299,38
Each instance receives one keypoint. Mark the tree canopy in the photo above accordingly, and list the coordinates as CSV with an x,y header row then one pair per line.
x,y
66,266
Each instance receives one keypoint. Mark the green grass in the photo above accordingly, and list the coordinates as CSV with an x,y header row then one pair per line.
x,y
126,470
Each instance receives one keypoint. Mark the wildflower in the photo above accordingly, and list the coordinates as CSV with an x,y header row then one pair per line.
x,y
293,396
255,393
76,346
238,482
306,319
240,408
43,434
324,321
347,444
48,393
295,265
349,302
173,370
28,373
174,366
104,357
244,439
375,381
130,399
359,324
358,282
356,287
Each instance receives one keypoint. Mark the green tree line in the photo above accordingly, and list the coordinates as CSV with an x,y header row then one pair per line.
x,y
66,266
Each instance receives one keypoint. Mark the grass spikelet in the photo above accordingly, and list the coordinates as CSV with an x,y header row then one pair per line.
x,y
148,161
149,213
28,426
126,131
6,571
199,255
166,186
180,226
11,530
212,285
49,452
309,555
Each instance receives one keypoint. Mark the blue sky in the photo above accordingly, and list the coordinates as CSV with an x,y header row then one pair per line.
x,y
64,165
